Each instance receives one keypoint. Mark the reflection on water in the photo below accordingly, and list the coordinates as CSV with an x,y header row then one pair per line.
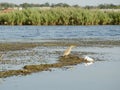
x,y
88,63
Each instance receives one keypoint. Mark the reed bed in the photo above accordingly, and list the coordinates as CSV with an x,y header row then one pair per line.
x,y
60,16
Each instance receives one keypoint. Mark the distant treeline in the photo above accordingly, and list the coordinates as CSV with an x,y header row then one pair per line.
x,y
60,16
27,5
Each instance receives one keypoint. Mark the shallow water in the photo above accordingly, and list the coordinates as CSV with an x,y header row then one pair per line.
x,y
14,60
102,75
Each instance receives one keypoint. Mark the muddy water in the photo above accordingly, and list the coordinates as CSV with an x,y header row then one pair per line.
x,y
102,45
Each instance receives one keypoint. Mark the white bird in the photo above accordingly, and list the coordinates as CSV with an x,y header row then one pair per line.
x,y
88,59
68,50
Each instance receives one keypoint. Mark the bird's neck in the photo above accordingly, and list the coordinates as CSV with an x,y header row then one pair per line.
x,y
70,48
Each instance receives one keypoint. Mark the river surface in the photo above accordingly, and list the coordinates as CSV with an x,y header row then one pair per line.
x,y
102,75
13,33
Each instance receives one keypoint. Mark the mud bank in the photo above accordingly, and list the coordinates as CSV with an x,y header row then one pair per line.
x,y
61,61
60,42
28,69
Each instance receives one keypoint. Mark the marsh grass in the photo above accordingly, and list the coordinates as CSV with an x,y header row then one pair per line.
x,y
60,16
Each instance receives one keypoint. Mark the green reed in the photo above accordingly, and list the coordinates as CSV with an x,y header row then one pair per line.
x,y
60,16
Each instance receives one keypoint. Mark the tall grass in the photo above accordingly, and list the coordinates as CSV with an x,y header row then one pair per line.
x,y
60,16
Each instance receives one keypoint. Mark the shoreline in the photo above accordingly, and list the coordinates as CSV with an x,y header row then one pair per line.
x,y
7,46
